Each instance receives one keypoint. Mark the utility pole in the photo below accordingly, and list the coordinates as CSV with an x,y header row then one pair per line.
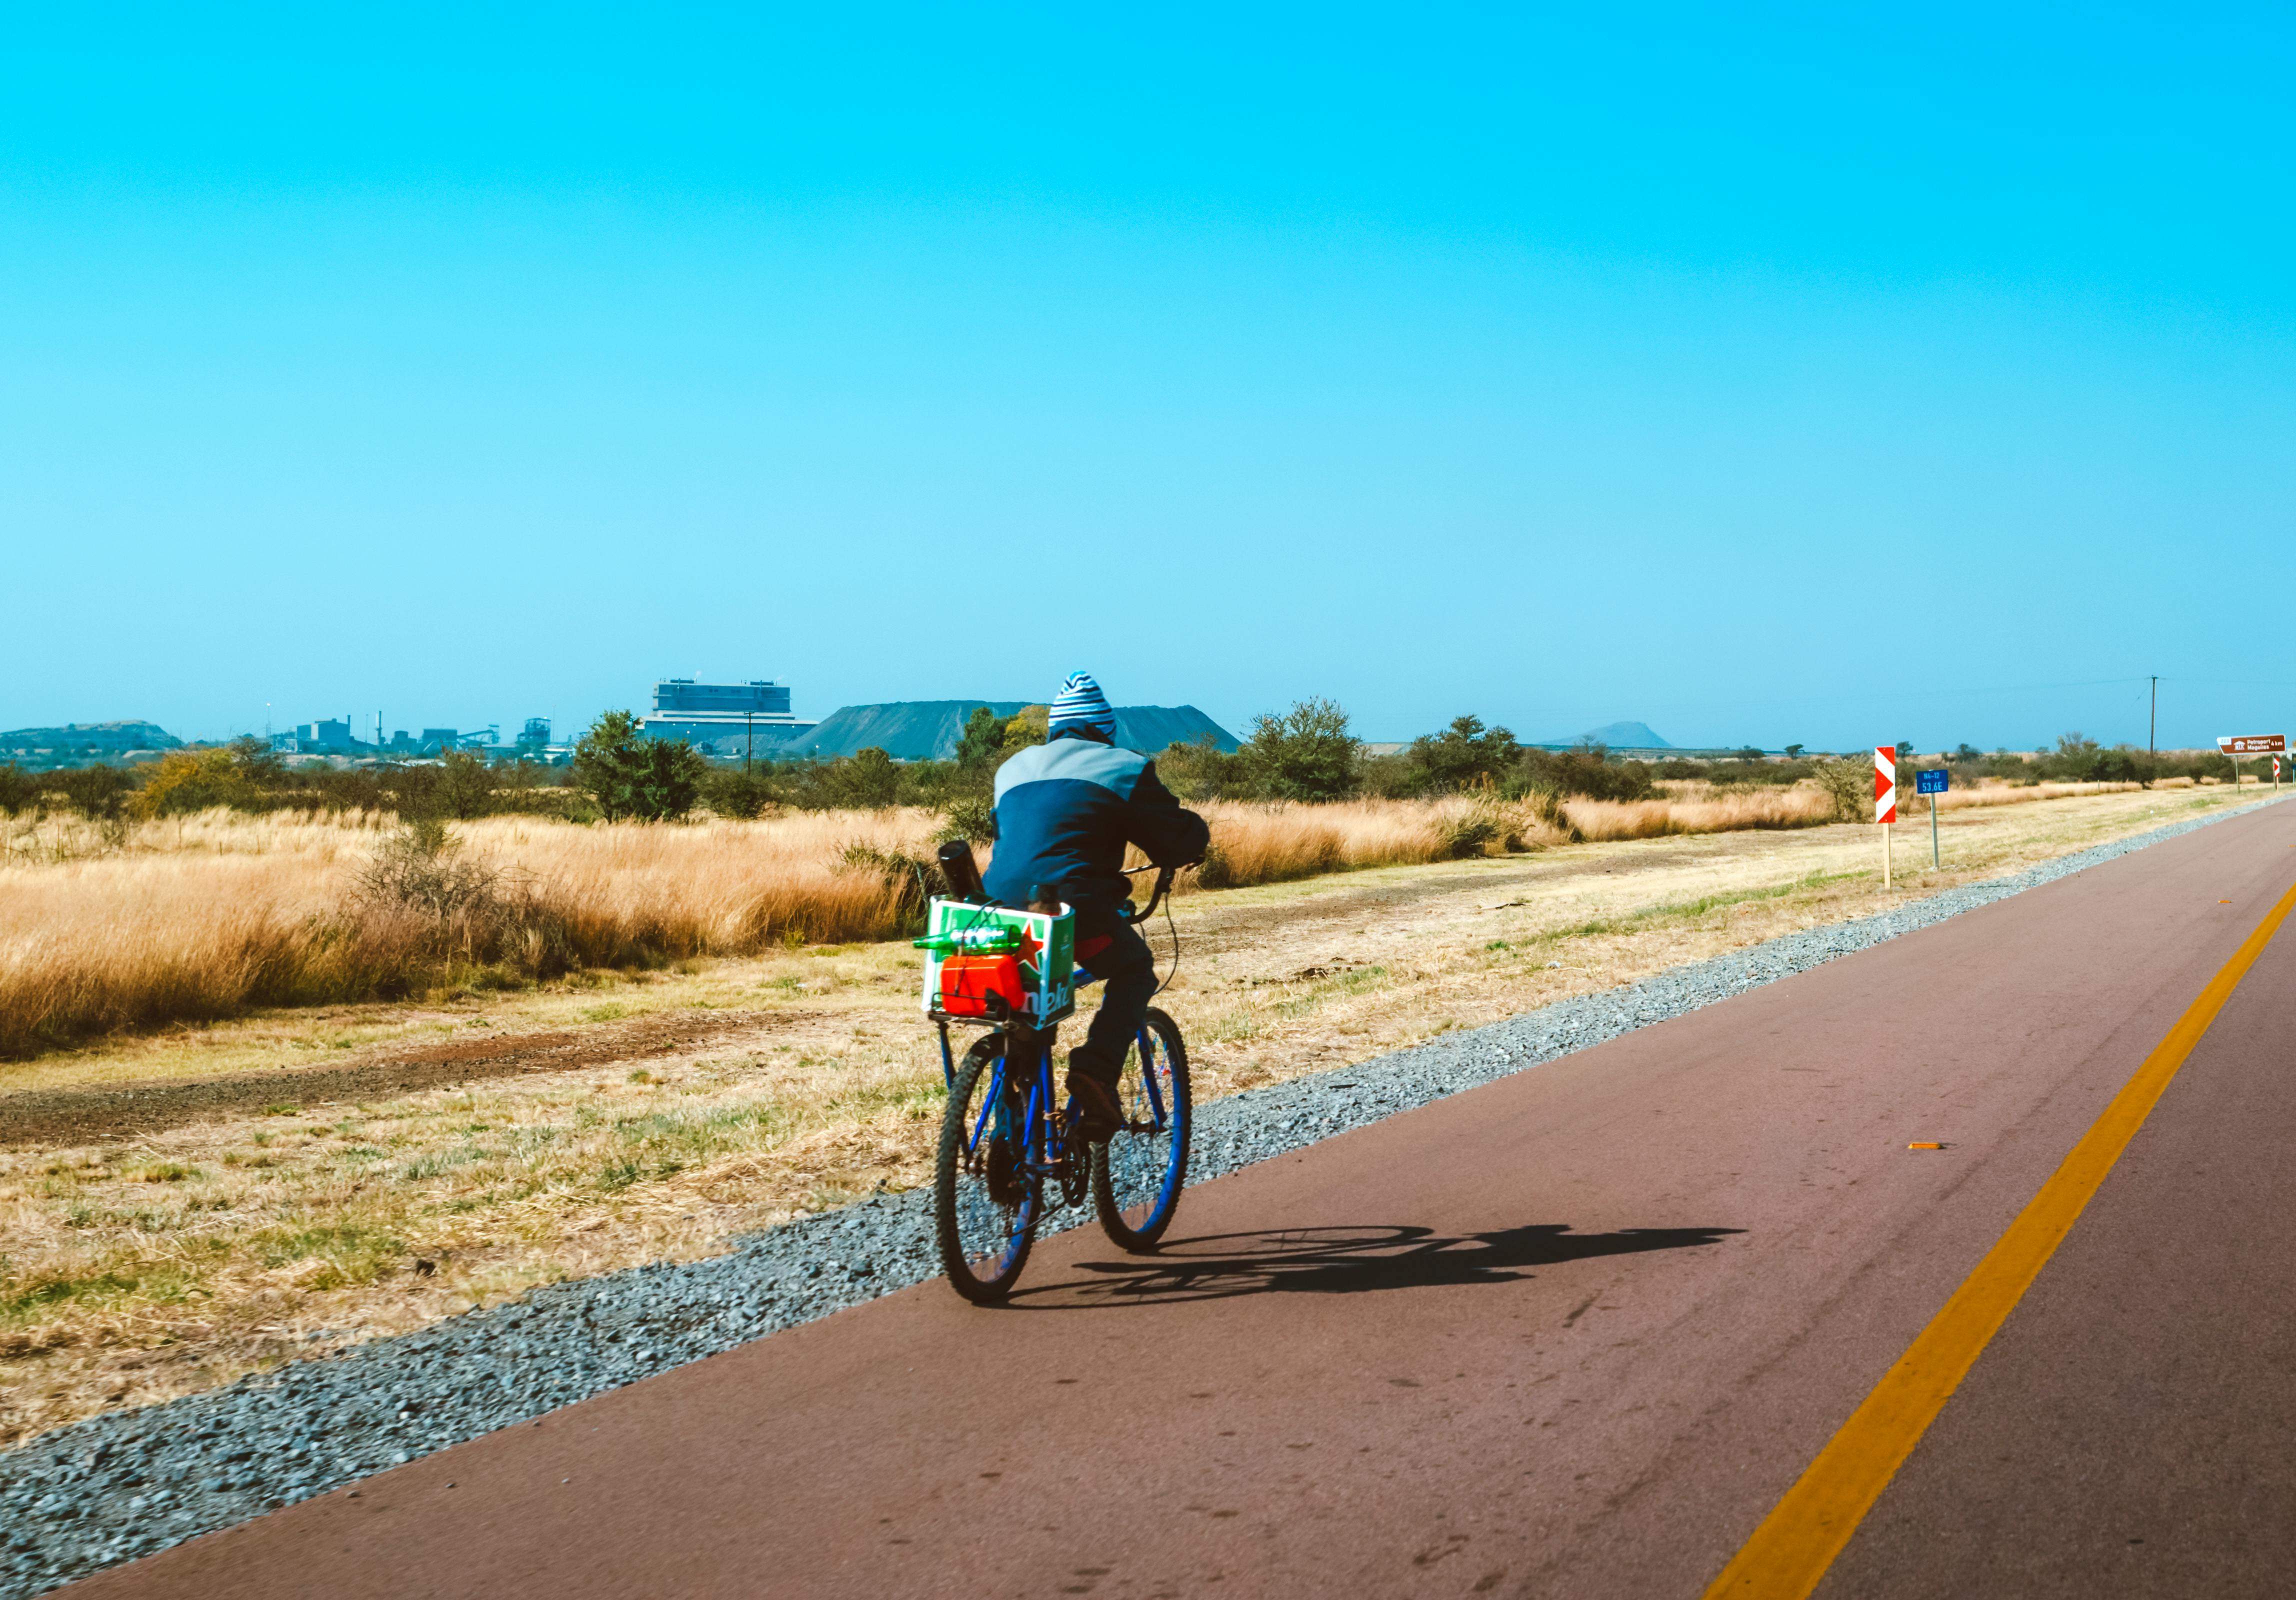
x,y
749,728
2152,728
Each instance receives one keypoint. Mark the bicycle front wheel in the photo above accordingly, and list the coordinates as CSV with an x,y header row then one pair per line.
x,y
985,1206
1137,1175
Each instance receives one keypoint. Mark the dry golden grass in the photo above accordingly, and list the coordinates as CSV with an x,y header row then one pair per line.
x,y
209,917
169,1263
1283,841
106,929
117,928
1701,808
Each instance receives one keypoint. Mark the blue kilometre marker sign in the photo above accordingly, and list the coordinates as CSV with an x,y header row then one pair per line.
x,y
1932,784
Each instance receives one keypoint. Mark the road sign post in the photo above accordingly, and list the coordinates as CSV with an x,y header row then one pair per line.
x,y
1932,784
2238,745
1885,799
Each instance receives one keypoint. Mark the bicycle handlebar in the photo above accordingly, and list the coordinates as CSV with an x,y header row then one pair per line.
x,y
1164,876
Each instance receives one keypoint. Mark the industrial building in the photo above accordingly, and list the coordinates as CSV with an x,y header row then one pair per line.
x,y
728,719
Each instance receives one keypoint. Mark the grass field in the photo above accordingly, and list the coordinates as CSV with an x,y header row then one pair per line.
x,y
109,928
657,1114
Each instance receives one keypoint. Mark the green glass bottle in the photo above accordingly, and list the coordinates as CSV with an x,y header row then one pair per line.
x,y
994,939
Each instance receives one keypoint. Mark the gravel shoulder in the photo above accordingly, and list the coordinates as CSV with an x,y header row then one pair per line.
x,y
105,1491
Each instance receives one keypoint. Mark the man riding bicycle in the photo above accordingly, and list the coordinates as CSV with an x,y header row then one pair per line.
x,y
1065,811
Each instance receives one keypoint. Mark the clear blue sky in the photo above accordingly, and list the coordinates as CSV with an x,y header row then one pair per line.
x,y
1767,375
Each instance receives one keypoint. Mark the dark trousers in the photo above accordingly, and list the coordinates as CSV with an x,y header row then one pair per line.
x,y
1129,973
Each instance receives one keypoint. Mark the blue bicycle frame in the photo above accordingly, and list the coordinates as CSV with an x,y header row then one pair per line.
x,y
1037,1162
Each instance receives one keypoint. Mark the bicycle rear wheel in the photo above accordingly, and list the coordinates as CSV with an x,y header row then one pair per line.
x,y
985,1209
1137,1174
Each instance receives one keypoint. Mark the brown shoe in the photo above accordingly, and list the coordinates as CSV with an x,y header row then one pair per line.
x,y
1099,1115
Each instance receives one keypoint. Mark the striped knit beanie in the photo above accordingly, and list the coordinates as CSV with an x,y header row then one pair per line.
x,y
1081,704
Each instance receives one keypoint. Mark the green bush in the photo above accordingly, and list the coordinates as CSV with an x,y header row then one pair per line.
x,y
631,776
982,743
730,792
1586,770
1303,754
1466,755
1200,770
21,791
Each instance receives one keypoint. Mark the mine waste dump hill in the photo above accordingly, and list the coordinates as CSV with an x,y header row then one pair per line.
x,y
104,737
928,730
1618,735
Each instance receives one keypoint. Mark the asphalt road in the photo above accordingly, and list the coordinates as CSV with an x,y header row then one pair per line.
x,y
1573,1333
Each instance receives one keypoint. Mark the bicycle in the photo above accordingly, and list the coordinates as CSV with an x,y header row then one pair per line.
x,y
1006,1139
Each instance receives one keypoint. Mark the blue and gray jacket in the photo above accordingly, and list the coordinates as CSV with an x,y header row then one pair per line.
x,y
1065,810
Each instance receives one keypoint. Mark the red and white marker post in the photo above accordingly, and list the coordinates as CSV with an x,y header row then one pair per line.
x,y
1885,798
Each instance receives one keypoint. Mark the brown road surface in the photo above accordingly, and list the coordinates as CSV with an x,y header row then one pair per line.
x,y
1570,1335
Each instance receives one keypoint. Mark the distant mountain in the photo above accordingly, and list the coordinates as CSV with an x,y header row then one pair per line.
x,y
908,730
928,730
1151,729
1625,736
108,737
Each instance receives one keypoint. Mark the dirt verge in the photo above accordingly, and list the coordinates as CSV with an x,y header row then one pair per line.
x,y
100,1111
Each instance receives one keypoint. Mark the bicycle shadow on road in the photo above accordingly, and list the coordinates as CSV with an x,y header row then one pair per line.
x,y
1341,1261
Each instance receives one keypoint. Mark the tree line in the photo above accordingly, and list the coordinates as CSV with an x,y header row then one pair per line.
x,y
1306,753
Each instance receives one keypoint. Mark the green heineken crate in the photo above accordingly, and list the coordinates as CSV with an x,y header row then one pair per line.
x,y
1047,953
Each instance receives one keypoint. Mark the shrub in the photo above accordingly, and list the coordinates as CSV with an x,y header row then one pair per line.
x,y
1303,754
982,743
730,792
1587,770
972,819
1848,788
1200,770
21,791
194,780
909,880
866,778
1463,756
421,867
97,792
630,774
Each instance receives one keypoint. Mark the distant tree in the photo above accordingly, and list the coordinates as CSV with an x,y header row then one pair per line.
x,y
465,787
1463,756
1850,785
730,792
194,780
19,791
1305,753
868,777
983,741
1200,770
97,792
1586,769
1794,753
630,774
1028,728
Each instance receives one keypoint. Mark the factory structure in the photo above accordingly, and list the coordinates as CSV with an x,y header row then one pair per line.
x,y
727,722
331,737
725,719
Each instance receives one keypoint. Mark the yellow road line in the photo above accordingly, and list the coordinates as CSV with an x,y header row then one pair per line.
x,y
1798,1541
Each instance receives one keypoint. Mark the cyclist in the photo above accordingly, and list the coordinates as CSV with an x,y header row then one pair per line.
x,y
1065,810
